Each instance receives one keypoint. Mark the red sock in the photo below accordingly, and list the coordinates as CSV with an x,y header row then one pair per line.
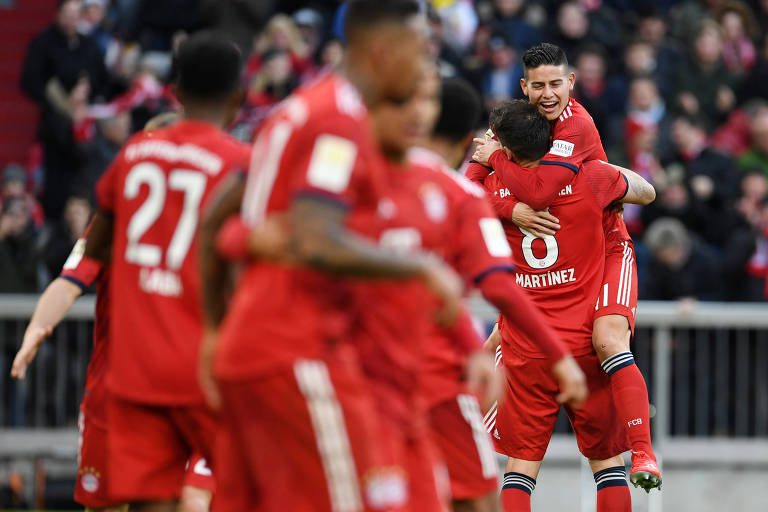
x,y
630,395
516,492
614,499
612,490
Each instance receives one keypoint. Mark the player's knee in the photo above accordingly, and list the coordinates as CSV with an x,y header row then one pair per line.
x,y
610,335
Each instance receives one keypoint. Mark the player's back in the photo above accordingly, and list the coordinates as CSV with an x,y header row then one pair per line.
x,y
562,273
156,188
317,144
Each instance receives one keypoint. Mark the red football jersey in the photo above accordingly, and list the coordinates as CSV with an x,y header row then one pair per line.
x,y
83,272
562,273
574,140
318,142
394,331
156,188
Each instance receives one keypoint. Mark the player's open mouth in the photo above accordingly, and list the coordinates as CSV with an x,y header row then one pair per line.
x,y
549,106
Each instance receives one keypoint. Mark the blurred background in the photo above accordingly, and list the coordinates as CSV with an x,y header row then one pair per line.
x,y
677,89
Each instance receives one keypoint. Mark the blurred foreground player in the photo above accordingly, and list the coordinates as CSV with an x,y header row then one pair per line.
x,y
560,278
547,84
150,201
454,413
298,423
93,476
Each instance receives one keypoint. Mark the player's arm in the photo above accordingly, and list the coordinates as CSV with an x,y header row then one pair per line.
x,y
52,307
639,191
98,242
535,186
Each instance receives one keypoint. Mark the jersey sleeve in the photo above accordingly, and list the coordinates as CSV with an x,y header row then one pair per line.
x,y
108,187
79,269
463,334
608,184
335,160
478,173
480,245
537,187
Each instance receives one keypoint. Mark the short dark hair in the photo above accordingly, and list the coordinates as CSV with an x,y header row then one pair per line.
x,y
209,67
542,55
460,109
522,129
361,15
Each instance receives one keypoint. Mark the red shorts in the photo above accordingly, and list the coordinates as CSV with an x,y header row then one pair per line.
x,y
461,437
428,481
92,471
150,446
618,295
527,415
199,474
302,439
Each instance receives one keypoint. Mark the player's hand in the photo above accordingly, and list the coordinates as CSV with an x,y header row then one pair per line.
x,y
447,286
493,341
33,337
205,369
571,380
484,150
540,224
483,379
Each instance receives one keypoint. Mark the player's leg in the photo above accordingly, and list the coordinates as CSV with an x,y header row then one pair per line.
x,y
92,472
524,423
460,436
197,492
601,437
613,325
611,481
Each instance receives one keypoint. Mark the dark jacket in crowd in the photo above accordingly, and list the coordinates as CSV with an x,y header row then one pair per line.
x,y
699,277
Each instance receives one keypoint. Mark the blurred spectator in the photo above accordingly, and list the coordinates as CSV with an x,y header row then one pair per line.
x,y
570,29
652,29
502,78
460,22
92,23
64,234
274,81
755,85
739,30
647,126
703,85
757,155
61,62
310,23
681,266
111,134
711,178
603,99
510,19
159,21
237,20
14,185
745,264
280,34
447,58
19,252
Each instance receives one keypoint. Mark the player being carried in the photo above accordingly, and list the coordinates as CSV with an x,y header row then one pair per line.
x,y
547,84
562,276
149,205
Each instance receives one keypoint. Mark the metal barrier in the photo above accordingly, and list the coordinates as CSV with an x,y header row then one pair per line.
x,y
707,374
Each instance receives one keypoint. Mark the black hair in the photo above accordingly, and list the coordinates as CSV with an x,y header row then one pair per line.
x,y
460,109
209,67
522,129
695,120
542,55
361,15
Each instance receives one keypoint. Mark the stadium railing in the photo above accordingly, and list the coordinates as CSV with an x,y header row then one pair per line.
x,y
706,368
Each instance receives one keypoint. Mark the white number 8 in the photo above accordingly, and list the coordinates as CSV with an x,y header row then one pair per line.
x,y
549,259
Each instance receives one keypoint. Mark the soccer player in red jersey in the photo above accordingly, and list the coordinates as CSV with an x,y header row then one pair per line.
x,y
560,275
547,84
149,204
93,476
298,422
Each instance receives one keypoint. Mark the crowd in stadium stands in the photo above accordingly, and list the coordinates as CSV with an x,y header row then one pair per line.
x,y
677,89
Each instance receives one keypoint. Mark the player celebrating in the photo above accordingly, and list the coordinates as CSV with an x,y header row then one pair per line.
x,y
547,83
298,423
558,276
150,200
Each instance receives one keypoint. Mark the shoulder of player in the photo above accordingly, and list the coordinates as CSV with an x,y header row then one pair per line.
x,y
454,183
573,122
327,98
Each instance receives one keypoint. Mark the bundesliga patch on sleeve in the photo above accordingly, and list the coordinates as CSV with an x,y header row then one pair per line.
x,y
76,256
561,148
495,239
331,164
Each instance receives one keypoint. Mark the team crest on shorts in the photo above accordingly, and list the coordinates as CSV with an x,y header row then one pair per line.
x,y
89,480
